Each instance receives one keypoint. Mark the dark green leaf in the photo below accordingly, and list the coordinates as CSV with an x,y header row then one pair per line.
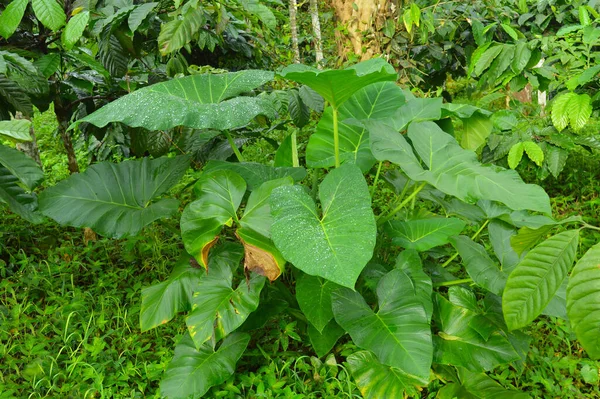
x,y
423,234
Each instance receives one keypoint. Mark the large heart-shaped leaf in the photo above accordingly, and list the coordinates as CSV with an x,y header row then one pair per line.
x,y
257,213
423,234
461,342
219,196
410,263
256,174
379,100
115,200
535,280
336,245
314,298
21,166
583,301
218,308
376,380
193,371
16,129
399,333
197,101
452,169
323,341
337,86
162,301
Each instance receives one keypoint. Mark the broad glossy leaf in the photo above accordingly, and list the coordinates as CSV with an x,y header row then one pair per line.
x,y
476,130
322,342
16,129
314,298
256,174
21,166
197,101
535,280
193,371
534,152
399,333
459,344
423,234
477,386
337,86
521,58
50,13
335,245
217,307
115,200
162,301
257,213
480,267
74,29
11,17
18,201
376,101
583,301
376,380
219,196
579,109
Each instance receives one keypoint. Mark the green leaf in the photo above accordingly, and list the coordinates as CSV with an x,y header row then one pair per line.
x,y
337,86
556,159
515,155
527,237
322,342
584,16
521,58
219,196
180,31
583,301
314,298
21,166
376,380
299,112
312,98
486,59
336,245
534,152
285,153
261,255
48,64
423,234
16,97
115,200
500,234
20,202
458,343
256,174
579,110
193,371
257,213
379,100
11,17
74,29
535,280
197,101
217,308
480,267
162,301
560,112
410,263
477,386
419,110
50,13
510,31
399,333
16,129
139,14
477,128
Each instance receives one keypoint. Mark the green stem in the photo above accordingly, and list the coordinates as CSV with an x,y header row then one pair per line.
x,y
315,183
336,138
473,237
295,162
453,282
376,179
589,226
236,151
390,215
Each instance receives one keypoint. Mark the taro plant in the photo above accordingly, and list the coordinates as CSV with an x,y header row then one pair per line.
x,y
438,284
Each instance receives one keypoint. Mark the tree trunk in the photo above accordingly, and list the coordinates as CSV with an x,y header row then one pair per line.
x,y
294,30
68,143
314,14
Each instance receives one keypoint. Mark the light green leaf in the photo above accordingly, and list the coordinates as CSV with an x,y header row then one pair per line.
x,y
337,86
217,308
193,371
115,200
11,17
257,213
314,298
50,13
376,380
527,237
476,130
423,234
560,112
477,386
254,173
534,152
180,31
486,59
515,155
197,101
322,342
500,234
139,14
16,129
219,196
336,245
377,101
510,31
162,301
74,29
399,333
535,280
579,110
410,263
583,301
418,110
